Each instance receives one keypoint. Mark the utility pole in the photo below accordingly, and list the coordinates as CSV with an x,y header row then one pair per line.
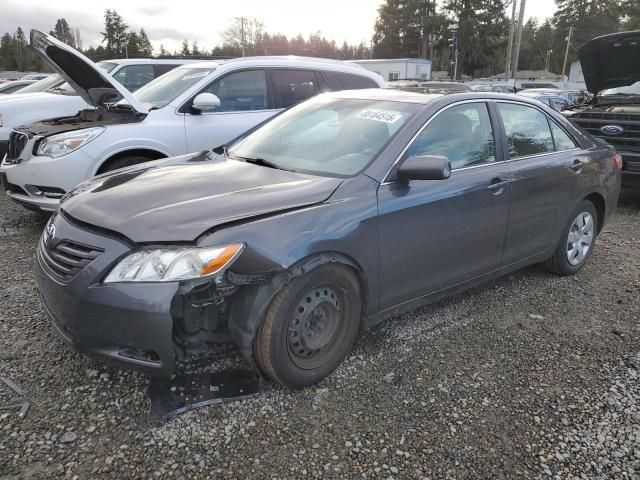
x,y
507,70
516,56
547,61
242,34
566,53
453,43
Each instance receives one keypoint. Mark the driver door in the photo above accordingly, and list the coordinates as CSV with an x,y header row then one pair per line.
x,y
437,233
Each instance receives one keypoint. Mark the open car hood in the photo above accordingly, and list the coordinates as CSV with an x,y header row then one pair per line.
x,y
611,61
93,84
179,198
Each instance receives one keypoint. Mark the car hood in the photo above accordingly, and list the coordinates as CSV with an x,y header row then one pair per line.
x,y
93,84
606,61
180,198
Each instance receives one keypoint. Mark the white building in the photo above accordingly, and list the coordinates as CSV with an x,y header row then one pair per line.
x,y
575,73
398,68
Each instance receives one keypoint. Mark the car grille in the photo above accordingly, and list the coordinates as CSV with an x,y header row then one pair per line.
x,y
628,142
64,261
17,142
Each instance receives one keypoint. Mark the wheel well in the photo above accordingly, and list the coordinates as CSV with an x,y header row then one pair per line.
x,y
318,259
139,152
598,202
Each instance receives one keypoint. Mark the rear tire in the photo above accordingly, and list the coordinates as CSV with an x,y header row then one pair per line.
x,y
123,162
577,241
309,327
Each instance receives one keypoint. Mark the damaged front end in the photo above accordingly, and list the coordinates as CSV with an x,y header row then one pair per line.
x,y
217,310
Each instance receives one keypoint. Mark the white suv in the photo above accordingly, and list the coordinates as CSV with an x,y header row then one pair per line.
x,y
194,107
54,97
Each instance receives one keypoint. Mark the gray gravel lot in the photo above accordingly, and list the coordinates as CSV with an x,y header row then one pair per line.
x,y
532,376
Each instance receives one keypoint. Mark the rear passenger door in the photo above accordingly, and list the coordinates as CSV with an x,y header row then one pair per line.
x,y
245,101
546,169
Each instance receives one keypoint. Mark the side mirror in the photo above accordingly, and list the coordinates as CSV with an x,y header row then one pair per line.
x,y
205,102
425,167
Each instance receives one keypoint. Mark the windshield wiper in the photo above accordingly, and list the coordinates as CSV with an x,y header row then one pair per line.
x,y
260,161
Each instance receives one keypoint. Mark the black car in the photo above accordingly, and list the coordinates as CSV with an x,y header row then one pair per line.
x,y
612,113
347,209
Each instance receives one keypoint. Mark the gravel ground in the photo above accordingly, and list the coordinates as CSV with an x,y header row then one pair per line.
x,y
532,376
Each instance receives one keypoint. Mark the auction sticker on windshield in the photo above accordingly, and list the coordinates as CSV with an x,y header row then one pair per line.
x,y
380,116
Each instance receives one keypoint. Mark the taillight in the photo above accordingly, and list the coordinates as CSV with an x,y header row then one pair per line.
x,y
617,160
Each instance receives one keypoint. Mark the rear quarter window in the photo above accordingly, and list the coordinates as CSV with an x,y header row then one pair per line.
x,y
349,81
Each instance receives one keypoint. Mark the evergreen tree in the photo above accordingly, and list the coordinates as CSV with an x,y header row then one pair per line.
x,y
589,19
194,48
115,33
63,32
144,45
163,52
185,48
7,55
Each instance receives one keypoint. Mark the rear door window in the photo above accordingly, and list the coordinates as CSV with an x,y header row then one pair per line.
x,y
132,77
527,130
561,139
293,86
241,91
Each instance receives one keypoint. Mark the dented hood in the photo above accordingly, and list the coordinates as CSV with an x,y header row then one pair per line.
x,y
179,199
611,61
93,84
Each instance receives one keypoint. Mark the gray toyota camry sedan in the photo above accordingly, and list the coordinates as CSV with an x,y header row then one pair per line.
x,y
342,211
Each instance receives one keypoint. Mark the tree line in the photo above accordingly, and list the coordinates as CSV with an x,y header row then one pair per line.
x,y
404,28
421,28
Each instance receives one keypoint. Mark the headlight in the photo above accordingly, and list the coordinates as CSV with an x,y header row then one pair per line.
x,y
173,263
65,143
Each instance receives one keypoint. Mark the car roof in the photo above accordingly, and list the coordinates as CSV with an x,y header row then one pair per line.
x,y
289,61
395,95
136,61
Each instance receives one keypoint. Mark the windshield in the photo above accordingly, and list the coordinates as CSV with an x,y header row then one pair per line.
x,y
42,85
325,136
163,90
107,66
633,89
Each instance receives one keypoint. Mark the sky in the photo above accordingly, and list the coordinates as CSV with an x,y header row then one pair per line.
x,y
168,22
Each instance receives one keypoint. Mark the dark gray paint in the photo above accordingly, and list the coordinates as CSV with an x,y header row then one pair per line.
x,y
409,241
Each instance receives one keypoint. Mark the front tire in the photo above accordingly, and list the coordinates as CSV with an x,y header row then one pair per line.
x,y
577,241
309,327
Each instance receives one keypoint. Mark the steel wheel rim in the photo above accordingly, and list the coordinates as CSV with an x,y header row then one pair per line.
x,y
580,238
314,326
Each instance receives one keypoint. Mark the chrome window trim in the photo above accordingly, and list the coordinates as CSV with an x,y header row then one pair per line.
x,y
509,160
462,102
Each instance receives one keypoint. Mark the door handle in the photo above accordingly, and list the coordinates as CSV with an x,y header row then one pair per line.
x,y
497,185
577,165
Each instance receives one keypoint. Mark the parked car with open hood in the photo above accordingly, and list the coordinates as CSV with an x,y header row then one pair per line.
x,y
344,210
611,69
194,107
53,96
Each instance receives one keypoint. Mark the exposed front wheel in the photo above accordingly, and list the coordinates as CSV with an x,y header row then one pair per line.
x,y
309,327
577,241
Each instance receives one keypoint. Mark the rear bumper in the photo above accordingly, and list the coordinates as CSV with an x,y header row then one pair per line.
x,y
126,324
